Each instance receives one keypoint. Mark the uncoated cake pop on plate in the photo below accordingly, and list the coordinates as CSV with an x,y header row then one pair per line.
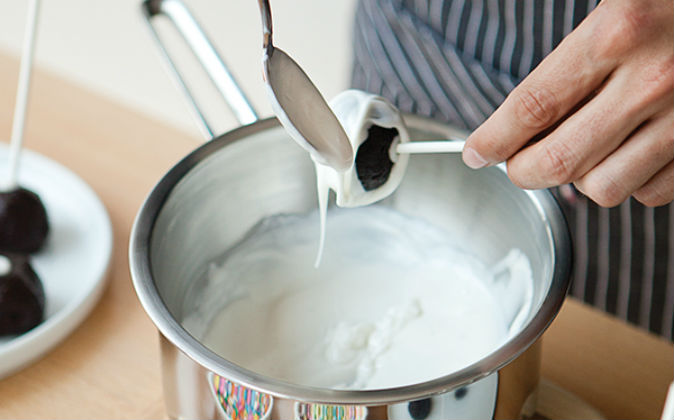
x,y
23,221
23,218
22,298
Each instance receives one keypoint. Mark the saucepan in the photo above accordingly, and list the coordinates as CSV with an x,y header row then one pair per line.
x,y
215,194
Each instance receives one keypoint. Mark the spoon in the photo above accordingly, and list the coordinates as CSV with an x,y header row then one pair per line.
x,y
299,105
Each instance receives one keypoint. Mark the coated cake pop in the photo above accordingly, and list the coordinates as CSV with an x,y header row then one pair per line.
x,y
375,128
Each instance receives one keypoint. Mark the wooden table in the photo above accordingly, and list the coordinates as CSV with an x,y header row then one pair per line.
x,y
109,366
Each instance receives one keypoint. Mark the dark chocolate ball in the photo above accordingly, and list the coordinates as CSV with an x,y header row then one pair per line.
x,y
373,163
23,221
21,296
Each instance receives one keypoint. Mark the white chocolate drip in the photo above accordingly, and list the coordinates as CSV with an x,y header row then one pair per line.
x,y
358,111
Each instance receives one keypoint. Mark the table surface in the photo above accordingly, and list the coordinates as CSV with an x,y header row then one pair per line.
x,y
109,366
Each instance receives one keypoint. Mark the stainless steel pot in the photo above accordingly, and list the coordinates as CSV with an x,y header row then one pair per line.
x,y
209,200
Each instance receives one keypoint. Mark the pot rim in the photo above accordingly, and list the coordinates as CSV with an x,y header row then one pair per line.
x,y
140,267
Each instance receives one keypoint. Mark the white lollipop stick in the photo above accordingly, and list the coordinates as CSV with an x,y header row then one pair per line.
x,y
435,146
22,93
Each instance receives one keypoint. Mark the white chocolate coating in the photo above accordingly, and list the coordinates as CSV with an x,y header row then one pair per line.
x,y
394,302
357,111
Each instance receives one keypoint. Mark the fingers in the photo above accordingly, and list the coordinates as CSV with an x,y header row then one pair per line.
x,y
600,108
585,138
565,78
659,190
632,166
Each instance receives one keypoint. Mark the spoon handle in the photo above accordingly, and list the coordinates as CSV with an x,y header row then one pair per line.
x,y
267,30
22,93
433,146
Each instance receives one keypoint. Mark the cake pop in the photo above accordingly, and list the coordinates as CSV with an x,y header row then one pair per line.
x,y
23,218
23,221
22,298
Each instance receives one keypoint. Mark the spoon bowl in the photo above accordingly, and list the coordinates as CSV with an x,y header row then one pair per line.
x,y
299,105
304,113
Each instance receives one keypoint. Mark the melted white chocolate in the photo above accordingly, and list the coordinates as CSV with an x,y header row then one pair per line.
x,y
358,111
394,302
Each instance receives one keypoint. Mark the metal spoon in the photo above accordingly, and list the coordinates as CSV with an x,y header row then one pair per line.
x,y
299,105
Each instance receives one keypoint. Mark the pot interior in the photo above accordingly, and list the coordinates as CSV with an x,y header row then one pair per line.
x,y
239,181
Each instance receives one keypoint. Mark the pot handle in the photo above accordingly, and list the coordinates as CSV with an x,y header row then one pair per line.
x,y
204,51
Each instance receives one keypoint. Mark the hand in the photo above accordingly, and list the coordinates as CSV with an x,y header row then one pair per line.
x,y
600,108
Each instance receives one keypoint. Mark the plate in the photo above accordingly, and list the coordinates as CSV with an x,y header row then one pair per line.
x,y
73,263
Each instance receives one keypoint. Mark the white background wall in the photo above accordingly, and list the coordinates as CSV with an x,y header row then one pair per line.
x,y
104,46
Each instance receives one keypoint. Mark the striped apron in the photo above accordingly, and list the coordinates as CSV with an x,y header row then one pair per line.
x,y
456,60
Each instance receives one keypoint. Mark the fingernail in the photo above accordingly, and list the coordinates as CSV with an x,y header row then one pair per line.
x,y
473,159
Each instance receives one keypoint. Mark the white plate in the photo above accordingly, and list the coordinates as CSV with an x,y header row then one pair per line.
x,y
74,262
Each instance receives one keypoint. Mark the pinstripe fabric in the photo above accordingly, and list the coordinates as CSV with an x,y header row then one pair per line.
x,y
625,260
668,305
603,252
456,60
